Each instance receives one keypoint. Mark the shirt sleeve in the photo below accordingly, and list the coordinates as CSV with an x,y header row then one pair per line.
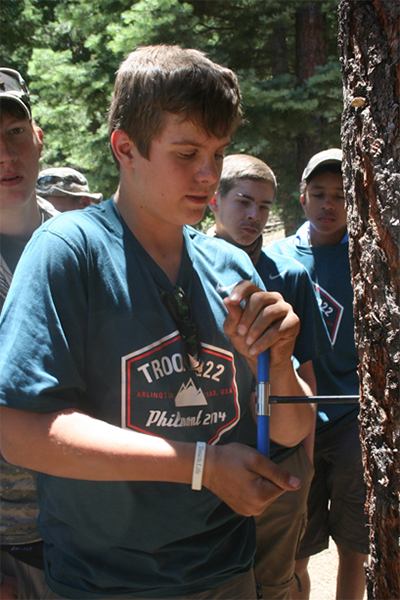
x,y
41,331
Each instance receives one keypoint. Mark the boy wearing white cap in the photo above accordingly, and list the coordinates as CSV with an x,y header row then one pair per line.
x,y
337,494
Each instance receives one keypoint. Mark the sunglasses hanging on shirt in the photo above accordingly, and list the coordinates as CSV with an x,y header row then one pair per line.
x,y
179,307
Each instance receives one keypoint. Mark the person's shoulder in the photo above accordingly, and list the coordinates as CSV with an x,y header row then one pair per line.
x,y
282,263
81,227
279,270
96,215
282,246
216,258
214,246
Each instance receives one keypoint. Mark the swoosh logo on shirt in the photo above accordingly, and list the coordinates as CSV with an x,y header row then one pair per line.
x,y
272,277
225,288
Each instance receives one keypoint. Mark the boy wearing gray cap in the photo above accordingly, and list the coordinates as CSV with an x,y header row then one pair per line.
x,y
66,188
22,211
337,495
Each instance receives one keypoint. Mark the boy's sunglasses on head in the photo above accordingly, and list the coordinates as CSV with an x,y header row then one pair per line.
x,y
50,180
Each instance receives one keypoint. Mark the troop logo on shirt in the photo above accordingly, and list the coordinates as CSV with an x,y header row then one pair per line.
x,y
160,397
331,309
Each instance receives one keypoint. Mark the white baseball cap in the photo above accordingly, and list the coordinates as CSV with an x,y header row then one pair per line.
x,y
332,155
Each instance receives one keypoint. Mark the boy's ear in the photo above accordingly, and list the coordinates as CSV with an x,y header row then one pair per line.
x,y
303,200
122,147
40,138
213,204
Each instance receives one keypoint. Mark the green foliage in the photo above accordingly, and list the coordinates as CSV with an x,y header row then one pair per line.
x,y
69,52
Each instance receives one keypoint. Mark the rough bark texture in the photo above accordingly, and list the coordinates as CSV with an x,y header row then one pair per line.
x,y
369,44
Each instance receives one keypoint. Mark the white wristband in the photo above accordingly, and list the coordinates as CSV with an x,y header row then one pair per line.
x,y
198,466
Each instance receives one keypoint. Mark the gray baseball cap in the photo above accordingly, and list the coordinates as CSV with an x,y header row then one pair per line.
x,y
64,181
332,155
13,87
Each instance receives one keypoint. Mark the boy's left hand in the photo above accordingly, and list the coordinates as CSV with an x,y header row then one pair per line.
x,y
258,320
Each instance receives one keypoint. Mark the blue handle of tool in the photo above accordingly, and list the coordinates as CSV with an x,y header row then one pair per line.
x,y
263,435
263,419
263,367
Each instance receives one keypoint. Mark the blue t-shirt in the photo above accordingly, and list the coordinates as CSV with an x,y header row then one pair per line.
x,y
336,372
84,327
291,279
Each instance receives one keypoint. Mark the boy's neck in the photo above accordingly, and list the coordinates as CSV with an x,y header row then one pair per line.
x,y
253,250
20,221
316,239
162,241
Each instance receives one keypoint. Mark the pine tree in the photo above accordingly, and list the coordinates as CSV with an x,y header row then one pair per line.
x,y
369,34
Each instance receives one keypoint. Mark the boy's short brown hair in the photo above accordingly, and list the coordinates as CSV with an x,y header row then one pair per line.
x,y
244,166
154,80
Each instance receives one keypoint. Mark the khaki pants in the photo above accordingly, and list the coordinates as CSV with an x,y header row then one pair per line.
x,y
279,531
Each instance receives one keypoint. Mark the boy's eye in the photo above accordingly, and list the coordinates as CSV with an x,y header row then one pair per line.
x,y
187,155
16,130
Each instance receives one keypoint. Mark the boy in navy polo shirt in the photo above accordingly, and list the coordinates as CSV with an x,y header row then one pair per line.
x,y
22,211
241,205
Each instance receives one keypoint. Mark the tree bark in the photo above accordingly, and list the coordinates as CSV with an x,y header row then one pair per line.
x,y
369,45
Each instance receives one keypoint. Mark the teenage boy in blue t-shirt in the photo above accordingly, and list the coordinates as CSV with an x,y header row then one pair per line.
x,y
129,353
22,211
337,495
241,206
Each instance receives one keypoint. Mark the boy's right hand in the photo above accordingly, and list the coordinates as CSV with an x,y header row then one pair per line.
x,y
244,478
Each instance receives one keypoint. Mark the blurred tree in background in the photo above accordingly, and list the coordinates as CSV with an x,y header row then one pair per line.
x,y
284,51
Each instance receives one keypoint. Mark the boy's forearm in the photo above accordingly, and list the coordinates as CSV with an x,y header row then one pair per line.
x,y
290,423
74,445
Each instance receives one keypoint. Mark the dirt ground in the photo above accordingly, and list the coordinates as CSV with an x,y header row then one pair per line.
x,y
323,569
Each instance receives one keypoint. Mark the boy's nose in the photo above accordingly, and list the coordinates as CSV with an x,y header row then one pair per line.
x,y
253,213
328,201
209,172
6,152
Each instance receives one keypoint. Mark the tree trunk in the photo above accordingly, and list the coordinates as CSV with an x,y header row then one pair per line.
x,y
310,52
369,45
279,51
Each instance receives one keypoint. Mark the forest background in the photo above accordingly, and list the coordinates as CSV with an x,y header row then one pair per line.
x,y
284,51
